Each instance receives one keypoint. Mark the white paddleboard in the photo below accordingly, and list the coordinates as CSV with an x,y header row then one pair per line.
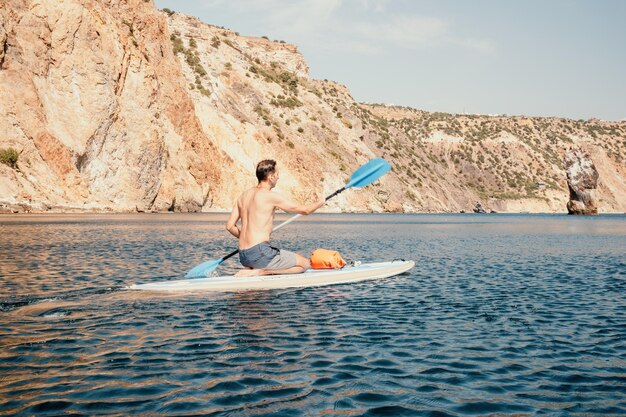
x,y
310,278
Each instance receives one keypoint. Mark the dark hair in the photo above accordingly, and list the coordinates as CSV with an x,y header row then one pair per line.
x,y
265,168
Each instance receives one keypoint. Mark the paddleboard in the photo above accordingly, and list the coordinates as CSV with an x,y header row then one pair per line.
x,y
310,278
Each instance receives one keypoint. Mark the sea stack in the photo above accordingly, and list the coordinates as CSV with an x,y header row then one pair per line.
x,y
582,180
478,208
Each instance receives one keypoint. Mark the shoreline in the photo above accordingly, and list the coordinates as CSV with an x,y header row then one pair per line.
x,y
78,212
43,208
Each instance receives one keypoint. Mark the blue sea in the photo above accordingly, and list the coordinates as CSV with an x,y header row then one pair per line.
x,y
502,315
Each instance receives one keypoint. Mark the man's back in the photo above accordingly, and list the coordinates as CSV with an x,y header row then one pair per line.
x,y
256,209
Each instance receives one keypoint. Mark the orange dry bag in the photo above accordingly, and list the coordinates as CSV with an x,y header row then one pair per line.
x,y
326,259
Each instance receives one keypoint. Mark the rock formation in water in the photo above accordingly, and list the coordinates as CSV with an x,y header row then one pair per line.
x,y
117,106
582,181
478,208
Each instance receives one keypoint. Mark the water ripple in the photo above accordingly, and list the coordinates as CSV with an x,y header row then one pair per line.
x,y
503,315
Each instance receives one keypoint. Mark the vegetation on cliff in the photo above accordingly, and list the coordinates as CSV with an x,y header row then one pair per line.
x,y
9,156
497,157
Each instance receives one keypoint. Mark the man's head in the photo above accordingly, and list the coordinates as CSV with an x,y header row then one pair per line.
x,y
266,171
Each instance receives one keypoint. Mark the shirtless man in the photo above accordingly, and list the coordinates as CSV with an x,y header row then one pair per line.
x,y
255,208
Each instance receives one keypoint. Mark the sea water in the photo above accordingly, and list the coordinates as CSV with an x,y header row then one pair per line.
x,y
502,315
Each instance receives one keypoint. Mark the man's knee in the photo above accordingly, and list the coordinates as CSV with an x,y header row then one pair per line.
x,y
303,262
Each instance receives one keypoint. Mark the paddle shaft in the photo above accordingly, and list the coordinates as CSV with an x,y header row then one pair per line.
x,y
285,223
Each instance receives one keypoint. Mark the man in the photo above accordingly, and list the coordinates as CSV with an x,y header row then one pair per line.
x,y
255,208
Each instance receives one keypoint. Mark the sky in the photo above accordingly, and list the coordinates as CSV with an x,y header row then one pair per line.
x,y
564,58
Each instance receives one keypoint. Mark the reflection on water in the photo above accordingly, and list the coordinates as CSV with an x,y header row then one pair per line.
x,y
502,315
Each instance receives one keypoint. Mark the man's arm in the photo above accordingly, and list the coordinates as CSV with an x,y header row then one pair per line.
x,y
286,204
231,224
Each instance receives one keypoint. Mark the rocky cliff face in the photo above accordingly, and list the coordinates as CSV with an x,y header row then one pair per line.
x,y
118,106
510,164
98,107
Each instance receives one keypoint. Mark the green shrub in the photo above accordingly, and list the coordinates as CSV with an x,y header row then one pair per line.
x,y
168,11
300,130
290,81
285,76
199,69
191,58
290,102
177,44
9,156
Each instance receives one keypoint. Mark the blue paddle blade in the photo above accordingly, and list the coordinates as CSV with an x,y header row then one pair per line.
x,y
369,173
204,269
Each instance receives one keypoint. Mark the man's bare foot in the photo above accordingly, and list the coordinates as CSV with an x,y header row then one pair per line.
x,y
249,272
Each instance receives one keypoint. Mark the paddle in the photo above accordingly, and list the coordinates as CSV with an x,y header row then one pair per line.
x,y
363,176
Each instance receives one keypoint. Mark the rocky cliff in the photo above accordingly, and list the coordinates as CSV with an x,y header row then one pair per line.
x,y
509,163
115,105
